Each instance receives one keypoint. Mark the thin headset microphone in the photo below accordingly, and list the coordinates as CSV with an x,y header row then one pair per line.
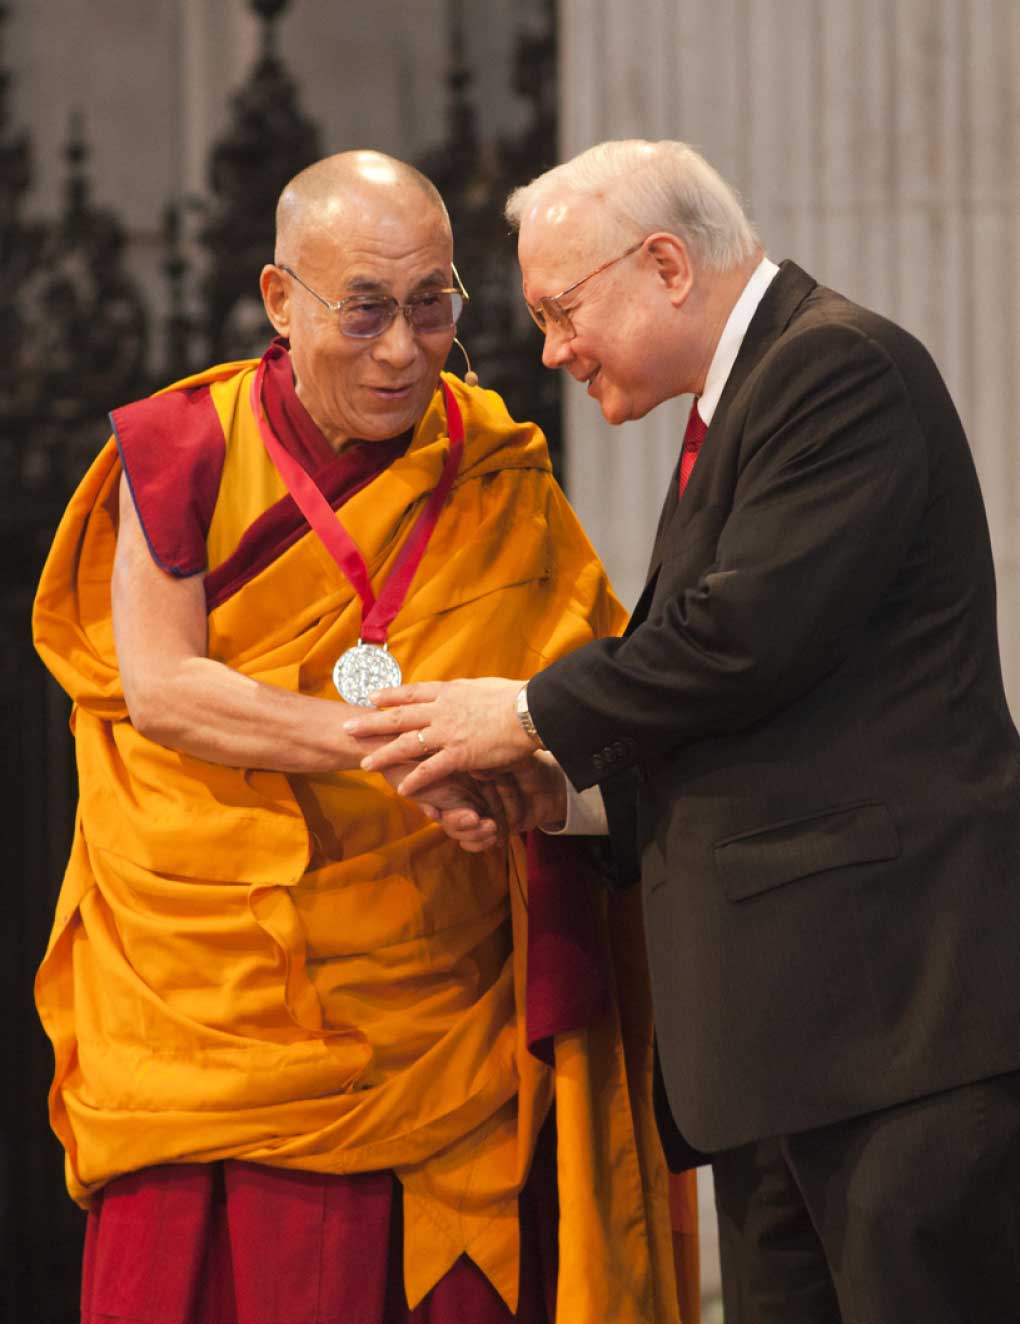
x,y
470,377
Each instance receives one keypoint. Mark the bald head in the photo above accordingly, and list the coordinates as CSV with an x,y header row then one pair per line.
x,y
332,193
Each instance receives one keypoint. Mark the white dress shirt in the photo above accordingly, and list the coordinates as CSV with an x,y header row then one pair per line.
x,y
586,813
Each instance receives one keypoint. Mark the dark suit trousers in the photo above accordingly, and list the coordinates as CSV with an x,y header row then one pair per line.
x,y
907,1215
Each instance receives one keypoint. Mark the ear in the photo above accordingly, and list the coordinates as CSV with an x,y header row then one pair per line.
x,y
673,266
275,298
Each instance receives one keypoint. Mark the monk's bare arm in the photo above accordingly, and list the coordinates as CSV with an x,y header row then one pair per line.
x,y
179,697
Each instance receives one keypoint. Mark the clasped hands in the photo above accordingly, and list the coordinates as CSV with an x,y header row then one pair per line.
x,y
458,750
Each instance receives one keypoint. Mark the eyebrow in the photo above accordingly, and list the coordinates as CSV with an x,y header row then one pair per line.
x,y
368,285
533,303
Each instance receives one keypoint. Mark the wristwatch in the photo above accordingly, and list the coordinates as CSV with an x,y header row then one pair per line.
x,y
524,716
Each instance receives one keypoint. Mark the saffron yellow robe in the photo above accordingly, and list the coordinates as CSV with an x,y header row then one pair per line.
x,y
304,972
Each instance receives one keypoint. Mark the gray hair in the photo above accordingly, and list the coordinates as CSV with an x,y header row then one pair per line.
x,y
640,187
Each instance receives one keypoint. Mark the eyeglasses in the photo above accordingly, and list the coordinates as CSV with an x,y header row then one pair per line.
x,y
365,316
550,312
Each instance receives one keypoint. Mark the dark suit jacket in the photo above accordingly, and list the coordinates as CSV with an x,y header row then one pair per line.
x,y
806,715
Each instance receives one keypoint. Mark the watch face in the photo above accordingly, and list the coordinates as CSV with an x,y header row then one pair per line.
x,y
524,717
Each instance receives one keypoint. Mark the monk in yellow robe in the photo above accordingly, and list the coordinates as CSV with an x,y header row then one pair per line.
x,y
313,1061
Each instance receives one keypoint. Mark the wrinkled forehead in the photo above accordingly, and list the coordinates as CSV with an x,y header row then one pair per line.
x,y
388,243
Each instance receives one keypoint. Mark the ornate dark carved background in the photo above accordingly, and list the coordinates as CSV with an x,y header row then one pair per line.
x,y
77,337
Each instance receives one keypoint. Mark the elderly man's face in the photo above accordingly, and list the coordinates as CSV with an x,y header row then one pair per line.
x,y
620,318
366,389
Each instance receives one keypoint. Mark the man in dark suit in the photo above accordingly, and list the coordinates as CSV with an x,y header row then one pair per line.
x,y
804,734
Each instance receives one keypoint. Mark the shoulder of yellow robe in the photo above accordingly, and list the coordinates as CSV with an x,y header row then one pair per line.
x,y
492,439
71,619
218,372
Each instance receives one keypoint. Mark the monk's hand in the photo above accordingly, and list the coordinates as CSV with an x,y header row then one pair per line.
x,y
531,794
445,727
463,803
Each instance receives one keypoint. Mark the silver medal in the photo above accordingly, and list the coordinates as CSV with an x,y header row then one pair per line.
x,y
364,669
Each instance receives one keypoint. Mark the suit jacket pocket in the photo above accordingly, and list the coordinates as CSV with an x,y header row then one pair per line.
x,y
767,857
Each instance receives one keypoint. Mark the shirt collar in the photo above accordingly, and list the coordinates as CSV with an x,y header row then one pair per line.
x,y
733,336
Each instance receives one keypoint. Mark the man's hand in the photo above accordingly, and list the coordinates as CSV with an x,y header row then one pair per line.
x,y
464,726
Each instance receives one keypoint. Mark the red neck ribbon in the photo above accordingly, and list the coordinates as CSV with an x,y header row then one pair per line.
x,y
377,611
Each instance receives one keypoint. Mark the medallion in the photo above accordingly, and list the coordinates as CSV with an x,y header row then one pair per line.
x,y
368,666
362,670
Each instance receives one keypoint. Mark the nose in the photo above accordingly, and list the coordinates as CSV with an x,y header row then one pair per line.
x,y
398,344
557,348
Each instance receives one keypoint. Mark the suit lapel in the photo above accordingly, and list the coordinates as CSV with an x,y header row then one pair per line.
x,y
669,509
771,318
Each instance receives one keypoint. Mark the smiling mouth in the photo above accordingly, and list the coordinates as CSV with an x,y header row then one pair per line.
x,y
393,390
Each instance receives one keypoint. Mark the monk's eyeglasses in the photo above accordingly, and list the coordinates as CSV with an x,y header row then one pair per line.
x,y
365,316
549,312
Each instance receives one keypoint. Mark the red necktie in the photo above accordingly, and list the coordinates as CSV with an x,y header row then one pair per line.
x,y
694,435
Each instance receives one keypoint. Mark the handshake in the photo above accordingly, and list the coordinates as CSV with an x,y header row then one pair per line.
x,y
459,751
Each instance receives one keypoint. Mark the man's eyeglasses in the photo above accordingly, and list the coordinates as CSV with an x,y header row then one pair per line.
x,y
550,312
365,316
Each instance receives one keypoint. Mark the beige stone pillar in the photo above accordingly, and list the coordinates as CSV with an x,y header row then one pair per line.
x,y
214,49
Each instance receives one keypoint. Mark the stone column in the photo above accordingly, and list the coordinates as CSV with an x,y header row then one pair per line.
x,y
874,143
215,47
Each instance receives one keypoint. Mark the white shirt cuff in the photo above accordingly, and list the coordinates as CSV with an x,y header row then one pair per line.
x,y
586,814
